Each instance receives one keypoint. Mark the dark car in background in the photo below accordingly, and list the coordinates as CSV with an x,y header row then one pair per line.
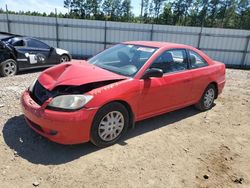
x,y
19,53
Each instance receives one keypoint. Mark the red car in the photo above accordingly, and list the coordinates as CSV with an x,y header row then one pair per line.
x,y
97,100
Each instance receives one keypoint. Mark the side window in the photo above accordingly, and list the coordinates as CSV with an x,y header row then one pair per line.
x,y
32,43
171,61
18,43
196,60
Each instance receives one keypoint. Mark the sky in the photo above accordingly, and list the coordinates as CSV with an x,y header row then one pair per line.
x,y
48,5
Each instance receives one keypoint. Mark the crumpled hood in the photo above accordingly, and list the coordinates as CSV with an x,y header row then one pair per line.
x,y
75,73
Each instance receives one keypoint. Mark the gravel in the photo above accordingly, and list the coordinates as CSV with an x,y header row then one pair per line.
x,y
173,150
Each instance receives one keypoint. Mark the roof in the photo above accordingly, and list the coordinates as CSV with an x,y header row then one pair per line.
x,y
158,44
168,45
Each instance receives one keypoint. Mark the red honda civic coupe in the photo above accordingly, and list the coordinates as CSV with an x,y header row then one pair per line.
x,y
97,100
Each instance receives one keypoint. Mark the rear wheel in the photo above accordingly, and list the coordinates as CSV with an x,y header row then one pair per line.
x,y
8,68
207,100
109,124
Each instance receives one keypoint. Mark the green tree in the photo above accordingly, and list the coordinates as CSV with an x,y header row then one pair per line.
x,y
213,7
66,4
92,8
187,5
179,11
112,9
167,16
151,11
194,13
157,4
146,17
78,8
126,12
226,13
209,13
203,12
242,12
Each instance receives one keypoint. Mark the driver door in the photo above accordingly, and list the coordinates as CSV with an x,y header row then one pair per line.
x,y
169,92
38,52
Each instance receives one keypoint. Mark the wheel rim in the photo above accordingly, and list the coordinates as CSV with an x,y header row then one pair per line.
x,y
209,98
9,68
111,126
64,59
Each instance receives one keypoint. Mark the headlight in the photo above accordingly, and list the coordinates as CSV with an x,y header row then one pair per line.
x,y
31,87
70,102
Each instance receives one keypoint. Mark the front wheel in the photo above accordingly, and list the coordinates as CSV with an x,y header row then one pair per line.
x,y
207,100
64,59
109,124
8,68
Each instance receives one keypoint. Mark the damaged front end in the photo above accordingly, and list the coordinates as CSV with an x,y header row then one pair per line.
x,y
65,87
65,97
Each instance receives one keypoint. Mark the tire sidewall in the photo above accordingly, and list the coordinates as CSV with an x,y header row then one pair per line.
x,y
64,56
114,106
203,98
2,73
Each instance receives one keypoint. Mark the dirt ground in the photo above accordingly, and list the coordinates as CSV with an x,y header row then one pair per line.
x,y
184,148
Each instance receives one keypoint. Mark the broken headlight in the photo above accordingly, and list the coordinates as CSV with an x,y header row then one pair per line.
x,y
69,102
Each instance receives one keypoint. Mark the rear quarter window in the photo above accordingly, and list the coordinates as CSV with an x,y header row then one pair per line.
x,y
196,61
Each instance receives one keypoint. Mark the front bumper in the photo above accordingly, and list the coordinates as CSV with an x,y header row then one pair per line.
x,y
60,127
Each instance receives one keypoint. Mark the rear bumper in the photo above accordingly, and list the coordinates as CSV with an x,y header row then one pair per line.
x,y
221,86
60,127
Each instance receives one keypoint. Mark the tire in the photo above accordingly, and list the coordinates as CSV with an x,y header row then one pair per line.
x,y
64,58
207,100
8,68
106,132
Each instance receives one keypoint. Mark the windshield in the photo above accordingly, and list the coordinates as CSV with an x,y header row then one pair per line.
x,y
124,59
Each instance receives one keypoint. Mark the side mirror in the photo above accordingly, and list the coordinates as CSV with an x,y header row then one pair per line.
x,y
153,72
51,49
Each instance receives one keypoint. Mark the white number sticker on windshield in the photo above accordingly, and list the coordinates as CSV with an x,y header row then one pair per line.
x,y
144,49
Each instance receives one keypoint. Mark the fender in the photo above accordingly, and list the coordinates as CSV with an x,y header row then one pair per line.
x,y
61,51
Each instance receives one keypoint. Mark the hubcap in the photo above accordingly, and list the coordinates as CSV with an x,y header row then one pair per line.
x,y
209,98
111,126
9,68
64,59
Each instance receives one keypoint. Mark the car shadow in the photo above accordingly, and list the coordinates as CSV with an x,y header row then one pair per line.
x,y
38,150
157,122
31,71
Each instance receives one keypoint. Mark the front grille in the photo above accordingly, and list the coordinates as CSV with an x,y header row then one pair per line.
x,y
40,94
